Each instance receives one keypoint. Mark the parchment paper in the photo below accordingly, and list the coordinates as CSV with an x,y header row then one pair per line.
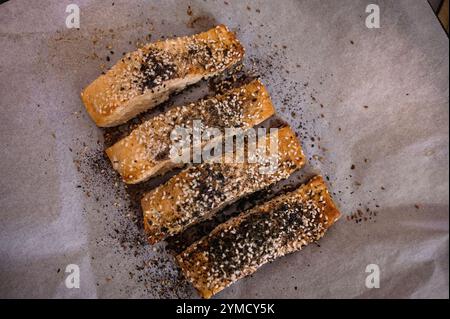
x,y
370,106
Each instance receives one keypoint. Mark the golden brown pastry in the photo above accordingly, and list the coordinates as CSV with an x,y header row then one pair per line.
x,y
238,247
146,77
198,192
146,151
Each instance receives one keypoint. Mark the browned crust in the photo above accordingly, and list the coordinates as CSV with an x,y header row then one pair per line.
x,y
196,261
198,192
114,98
137,156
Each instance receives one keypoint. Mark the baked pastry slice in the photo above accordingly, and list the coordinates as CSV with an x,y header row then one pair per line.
x,y
145,78
198,192
146,151
238,247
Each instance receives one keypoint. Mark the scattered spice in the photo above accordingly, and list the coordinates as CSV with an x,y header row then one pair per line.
x,y
189,11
